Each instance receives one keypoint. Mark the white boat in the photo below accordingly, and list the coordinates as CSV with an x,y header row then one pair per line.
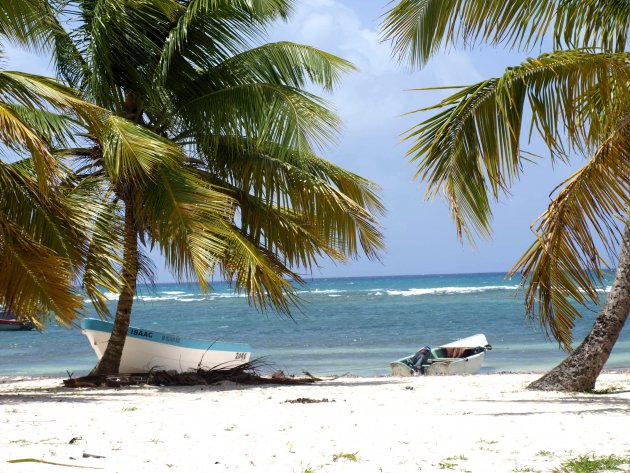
x,y
147,350
463,356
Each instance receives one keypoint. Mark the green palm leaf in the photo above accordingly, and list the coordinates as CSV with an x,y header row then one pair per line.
x,y
290,64
186,219
419,28
39,248
260,274
54,129
219,27
291,118
18,135
471,149
42,93
131,153
102,225
335,207
21,22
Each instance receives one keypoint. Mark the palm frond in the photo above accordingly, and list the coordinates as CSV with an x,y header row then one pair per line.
x,y
102,227
131,153
16,134
35,283
419,28
564,264
35,91
186,219
471,150
124,42
291,118
56,130
21,22
215,30
260,274
283,63
315,198
282,231
40,249
191,224
602,24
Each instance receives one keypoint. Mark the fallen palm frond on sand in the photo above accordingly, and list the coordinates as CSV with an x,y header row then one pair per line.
x,y
247,373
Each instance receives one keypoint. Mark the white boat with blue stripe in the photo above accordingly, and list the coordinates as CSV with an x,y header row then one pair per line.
x,y
147,350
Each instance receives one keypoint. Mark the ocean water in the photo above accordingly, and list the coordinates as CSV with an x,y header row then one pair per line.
x,y
344,325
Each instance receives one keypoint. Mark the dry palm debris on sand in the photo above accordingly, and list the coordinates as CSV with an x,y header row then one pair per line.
x,y
247,373
308,400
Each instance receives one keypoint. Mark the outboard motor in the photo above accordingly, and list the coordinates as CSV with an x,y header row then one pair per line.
x,y
420,358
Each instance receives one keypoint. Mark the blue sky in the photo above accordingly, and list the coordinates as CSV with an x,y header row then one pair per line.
x,y
420,236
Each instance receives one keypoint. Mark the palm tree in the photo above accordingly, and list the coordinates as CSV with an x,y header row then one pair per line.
x,y
43,223
580,104
208,147
50,232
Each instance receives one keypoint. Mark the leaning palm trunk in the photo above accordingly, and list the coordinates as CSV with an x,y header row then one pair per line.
x,y
110,362
579,371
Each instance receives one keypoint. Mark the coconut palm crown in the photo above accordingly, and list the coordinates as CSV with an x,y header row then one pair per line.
x,y
208,150
470,150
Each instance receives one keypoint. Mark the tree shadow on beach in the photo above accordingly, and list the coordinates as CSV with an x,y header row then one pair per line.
x,y
54,394
20,398
598,404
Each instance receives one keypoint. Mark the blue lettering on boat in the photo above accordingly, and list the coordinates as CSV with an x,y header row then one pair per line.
x,y
170,338
141,333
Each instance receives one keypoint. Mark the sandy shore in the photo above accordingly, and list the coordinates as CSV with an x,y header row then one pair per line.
x,y
482,423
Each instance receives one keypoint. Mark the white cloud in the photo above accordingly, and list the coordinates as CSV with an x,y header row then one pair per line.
x,y
336,28
373,99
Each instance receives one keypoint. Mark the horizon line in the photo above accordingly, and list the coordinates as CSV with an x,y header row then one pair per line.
x,y
307,279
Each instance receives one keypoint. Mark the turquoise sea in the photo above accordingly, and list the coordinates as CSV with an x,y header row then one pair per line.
x,y
345,325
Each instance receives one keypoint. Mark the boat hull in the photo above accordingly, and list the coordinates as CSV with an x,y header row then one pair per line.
x,y
14,326
10,323
447,366
468,365
147,350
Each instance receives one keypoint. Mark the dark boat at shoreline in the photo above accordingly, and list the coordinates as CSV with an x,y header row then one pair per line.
x,y
10,323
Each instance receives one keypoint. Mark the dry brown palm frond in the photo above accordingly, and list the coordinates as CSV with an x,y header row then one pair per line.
x,y
564,264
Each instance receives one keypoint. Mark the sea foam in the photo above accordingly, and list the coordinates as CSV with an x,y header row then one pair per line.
x,y
448,290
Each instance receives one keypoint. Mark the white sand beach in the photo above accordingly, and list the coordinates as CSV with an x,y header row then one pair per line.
x,y
481,423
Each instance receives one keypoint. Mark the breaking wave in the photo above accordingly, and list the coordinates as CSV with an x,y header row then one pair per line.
x,y
448,290
322,291
183,296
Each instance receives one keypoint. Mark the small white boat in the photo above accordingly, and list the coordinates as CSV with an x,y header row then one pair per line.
x,y
147,350
463,356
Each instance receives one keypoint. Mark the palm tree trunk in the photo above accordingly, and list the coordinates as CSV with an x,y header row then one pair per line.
x,y
579,371
110,362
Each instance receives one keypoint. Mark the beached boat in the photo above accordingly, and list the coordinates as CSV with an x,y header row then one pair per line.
x,y
147,350
463,356
9,322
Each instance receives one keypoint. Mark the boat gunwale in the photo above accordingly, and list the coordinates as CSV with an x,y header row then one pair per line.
x,y
96,325
439,360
